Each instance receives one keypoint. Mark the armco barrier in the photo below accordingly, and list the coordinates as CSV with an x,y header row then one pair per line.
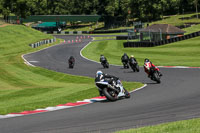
x,y
127,37
86,32
37,44
163,42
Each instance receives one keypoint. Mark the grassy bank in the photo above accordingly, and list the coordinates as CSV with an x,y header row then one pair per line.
x,y
178,20
192,29
27,88
186,126
183,53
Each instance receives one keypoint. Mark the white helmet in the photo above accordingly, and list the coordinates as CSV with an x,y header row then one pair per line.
x,y
99,73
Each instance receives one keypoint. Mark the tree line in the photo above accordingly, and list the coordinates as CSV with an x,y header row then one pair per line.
x,y
145,10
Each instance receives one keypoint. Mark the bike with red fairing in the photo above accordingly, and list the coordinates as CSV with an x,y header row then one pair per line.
x,y
155,75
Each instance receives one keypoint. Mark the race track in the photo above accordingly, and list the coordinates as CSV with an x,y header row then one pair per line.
x,y
176,98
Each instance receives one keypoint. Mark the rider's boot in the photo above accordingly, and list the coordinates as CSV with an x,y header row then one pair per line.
x,y
100,93
127,94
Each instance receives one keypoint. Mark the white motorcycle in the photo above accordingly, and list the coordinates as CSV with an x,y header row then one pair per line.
x,y
112,92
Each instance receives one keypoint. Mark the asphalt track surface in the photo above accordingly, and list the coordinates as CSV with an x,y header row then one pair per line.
x,y
176,98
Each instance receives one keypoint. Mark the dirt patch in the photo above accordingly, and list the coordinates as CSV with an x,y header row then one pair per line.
x,y
3,25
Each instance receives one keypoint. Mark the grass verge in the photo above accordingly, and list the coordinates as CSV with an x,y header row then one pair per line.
x,y
27,88
183,53
177,21
186,126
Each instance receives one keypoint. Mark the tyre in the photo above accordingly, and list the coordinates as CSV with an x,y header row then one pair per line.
x,y
156,77
124,65
107,65
137,68
110,94
133,68
71,66
104,65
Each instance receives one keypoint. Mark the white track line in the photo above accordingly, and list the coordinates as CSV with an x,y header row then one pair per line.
x,y
138,88
28,63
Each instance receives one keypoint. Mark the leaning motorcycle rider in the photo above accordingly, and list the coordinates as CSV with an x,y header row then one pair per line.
x,y
132,59
112,81
71,60
103,59
125,60
148,65
100,76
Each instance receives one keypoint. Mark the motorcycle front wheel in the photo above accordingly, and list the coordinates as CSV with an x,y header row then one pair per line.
x,y
137,68
157,77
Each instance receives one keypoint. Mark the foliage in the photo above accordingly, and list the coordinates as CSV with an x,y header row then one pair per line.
x,y
146,10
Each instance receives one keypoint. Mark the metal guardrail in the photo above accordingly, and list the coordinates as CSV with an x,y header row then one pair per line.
x,y
163,42
86,32
127,37
37,44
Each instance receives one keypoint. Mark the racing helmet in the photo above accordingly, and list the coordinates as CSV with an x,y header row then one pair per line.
x,y
132,56
99,73
146,60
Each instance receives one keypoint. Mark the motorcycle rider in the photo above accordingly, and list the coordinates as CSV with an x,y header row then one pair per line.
x,y
71,60
148,65
100,76
103,59
112,80
132,59
125,60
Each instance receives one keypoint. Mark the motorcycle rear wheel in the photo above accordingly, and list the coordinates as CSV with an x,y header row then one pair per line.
x,y
110,94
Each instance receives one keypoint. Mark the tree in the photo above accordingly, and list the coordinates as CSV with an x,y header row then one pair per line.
x,y
6,7
1,6
146,10
20,8
196,6
170,7
37,7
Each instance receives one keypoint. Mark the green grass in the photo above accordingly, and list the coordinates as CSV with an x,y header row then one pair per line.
x,y
174,20
186,126
24,87
93,26
183,53
192,29
103,38
85,27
